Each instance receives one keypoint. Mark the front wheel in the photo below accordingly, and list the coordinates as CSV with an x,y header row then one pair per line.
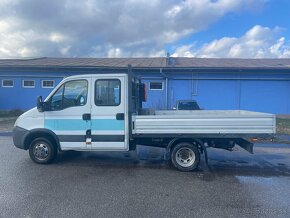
x,y
185,156
42,151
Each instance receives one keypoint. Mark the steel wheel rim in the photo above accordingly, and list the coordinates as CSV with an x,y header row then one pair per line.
x,y
185,157
40,151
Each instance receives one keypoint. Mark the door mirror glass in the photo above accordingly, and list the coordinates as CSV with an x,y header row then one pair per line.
x,y
39,104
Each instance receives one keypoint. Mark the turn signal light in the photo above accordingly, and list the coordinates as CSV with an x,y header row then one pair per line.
x,y
254,139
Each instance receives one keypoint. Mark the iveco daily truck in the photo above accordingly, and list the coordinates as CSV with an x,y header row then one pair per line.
x,y
103,112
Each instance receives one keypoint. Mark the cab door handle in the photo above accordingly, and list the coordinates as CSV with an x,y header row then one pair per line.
x,y
120,116
86,116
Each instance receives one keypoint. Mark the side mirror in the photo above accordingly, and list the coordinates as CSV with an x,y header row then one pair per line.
x,y
39,104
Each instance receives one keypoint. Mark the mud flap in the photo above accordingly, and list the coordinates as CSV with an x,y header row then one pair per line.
x,y
248,146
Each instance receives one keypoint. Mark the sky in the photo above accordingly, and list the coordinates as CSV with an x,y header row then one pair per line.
x,y
145,28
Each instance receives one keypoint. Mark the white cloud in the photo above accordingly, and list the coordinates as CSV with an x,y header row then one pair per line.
x,y
57,37
114,53
4,26
127,28
258,42
184,51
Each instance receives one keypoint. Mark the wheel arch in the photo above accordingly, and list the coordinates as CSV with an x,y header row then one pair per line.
x,y
176,141
45,133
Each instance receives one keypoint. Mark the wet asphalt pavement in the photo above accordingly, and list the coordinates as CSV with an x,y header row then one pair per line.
x,y
142,184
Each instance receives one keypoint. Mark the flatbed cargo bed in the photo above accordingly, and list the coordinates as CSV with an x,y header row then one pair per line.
x,y
213,122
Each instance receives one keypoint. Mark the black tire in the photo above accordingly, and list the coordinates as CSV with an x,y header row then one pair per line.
x,y
185,156
42,151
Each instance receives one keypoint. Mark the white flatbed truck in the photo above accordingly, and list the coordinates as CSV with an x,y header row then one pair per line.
x,y
103,112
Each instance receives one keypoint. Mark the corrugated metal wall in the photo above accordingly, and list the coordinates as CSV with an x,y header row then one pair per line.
x,y
264,92
18,97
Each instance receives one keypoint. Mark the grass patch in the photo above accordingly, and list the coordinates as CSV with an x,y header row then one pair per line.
x,y
8,118
10,113
283,125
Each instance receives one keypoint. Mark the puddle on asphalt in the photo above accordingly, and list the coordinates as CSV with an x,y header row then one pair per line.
x,y
268,191
256,180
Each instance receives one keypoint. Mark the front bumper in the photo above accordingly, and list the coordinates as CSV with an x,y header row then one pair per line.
x,y
19,135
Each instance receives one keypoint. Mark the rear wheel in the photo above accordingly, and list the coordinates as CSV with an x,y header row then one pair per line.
x,y
185,156
42,151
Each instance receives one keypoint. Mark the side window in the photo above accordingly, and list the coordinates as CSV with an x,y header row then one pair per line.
x,y
70,94
108,92
56,100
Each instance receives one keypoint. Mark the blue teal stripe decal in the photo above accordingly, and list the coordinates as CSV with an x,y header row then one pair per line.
x,y
108,124
77,124
66,124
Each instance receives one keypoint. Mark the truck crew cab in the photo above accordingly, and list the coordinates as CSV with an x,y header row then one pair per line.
x,y
103,112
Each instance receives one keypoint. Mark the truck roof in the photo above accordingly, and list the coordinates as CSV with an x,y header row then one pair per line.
x,y
94,75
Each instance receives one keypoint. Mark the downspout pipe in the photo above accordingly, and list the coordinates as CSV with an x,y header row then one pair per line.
x,y
166,88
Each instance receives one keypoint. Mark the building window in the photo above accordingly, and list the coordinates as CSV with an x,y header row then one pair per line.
x,y
47,83
28,83
7,83
156,85
108,92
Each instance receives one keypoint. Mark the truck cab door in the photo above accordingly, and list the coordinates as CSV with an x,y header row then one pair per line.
x,y
69,113
109,113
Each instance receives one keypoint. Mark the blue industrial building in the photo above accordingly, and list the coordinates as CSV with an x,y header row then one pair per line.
x,y
217,84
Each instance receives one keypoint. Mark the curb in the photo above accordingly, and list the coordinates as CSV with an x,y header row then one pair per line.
x,y
6,133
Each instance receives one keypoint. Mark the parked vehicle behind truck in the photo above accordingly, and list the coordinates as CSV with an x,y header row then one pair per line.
x,y
186,105
103,112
